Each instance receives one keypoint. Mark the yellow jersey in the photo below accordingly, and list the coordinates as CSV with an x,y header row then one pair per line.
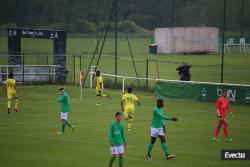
x,y
129,99
10,84
99,83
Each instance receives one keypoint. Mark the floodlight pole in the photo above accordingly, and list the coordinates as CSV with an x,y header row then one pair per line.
x,y
106,31
107,23
223,41
18,16
114,11
129,46
242,18
116,35
173,13
97,24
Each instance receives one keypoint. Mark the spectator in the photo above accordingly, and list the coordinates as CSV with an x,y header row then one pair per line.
x,y
184,71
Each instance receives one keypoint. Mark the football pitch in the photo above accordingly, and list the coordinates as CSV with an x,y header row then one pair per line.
x,y
29,138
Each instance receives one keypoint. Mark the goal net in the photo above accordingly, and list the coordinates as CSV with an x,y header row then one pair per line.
x,y
235,45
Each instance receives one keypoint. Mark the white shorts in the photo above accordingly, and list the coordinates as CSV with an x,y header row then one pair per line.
x,y
157,132
115,150
64,115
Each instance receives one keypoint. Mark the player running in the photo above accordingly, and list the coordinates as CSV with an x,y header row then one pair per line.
x,y
222,106
11,92
117,140
158,129
64,100
99,88
128,106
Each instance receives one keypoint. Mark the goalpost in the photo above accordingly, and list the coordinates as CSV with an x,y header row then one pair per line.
x,y
241,45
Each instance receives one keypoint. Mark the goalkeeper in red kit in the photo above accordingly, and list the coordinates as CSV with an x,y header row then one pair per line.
x,y
222,106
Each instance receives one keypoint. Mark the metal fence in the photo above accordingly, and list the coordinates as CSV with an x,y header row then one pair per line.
x,y
29,73
206,69
73,63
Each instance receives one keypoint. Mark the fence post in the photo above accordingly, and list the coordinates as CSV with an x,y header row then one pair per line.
x,y
2,77
54,74
123,84
23,67
223,41
90,77
80,62
157,66
92,70
7,72
74,68
147,73
47,59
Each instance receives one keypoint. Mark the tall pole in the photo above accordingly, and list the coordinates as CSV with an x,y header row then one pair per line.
x,y
18,13
106,24
242,18
129,46
116,33
223,41
173,13
147,73
97,23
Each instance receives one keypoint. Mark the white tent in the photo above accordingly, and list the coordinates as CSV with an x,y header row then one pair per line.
x,y
187,40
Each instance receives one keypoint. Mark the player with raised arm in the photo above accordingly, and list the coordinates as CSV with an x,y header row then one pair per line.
x,y
117,140
9,87
99,88
222,107
158,129
128,106
64,100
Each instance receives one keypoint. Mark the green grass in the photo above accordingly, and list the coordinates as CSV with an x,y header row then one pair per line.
x,y
206,67
29,138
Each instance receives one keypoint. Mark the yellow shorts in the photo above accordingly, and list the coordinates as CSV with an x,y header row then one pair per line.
x,y
129,111
12,95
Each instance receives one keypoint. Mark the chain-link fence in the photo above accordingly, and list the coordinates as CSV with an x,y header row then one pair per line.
x,y
85,20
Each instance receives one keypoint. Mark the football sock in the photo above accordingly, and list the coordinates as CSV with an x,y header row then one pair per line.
x,y
150,147
217,130
98,98
63,127
121,161
16,104
129,123
165,148
225,131
9,103
66,122
111,161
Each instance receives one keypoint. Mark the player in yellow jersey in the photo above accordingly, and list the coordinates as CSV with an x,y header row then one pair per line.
x,y
128,106
11,91
99,88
